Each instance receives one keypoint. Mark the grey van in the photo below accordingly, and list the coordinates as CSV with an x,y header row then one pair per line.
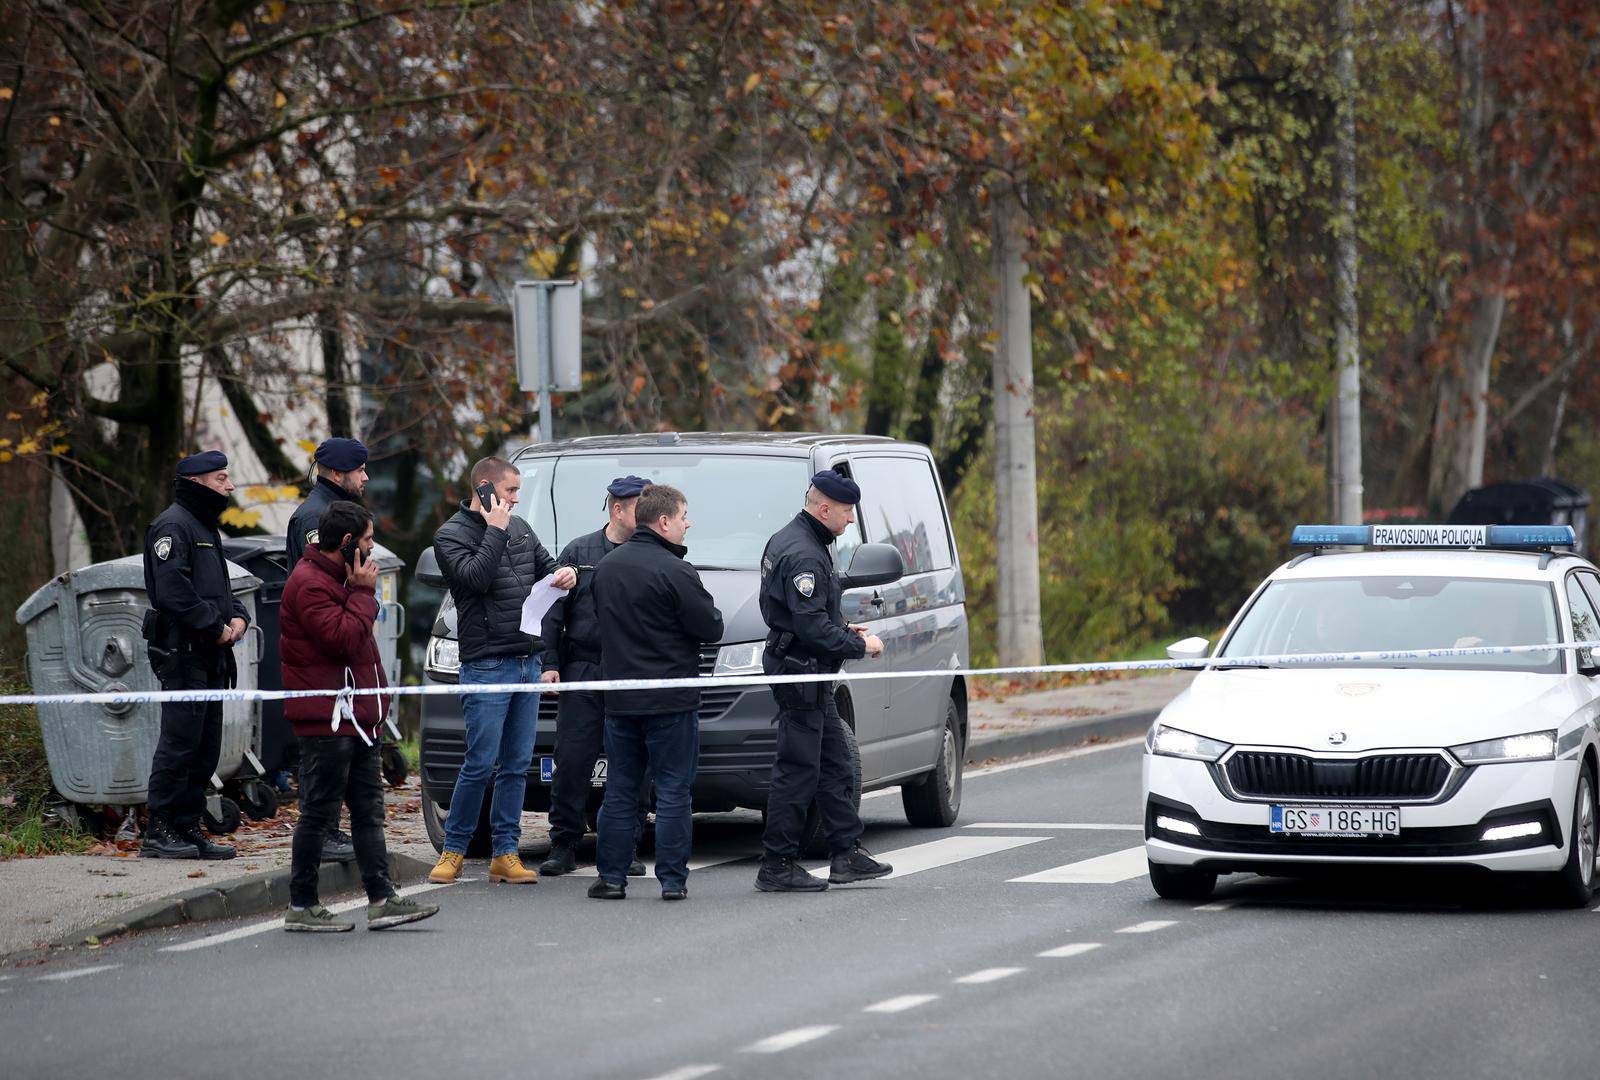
x,y
910,733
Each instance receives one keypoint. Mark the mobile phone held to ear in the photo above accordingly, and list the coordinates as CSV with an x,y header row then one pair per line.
x,y
486,496
348,550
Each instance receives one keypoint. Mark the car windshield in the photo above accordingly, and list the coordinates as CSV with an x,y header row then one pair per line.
x,y
1343,615
736,501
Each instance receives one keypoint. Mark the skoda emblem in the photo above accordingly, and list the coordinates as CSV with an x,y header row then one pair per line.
x,y
1336,738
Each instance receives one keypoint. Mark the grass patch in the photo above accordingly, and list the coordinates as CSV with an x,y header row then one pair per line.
x,y
26,826
411,747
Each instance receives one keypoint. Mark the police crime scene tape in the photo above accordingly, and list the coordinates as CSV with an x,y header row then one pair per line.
x,y
124,698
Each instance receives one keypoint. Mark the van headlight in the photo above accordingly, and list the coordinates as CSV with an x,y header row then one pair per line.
x,y
1173,742
444,657
1534,746
741,659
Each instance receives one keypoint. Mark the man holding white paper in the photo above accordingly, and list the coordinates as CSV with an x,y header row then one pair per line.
x,y
491,560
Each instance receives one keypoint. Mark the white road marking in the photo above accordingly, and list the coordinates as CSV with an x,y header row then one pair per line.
x,y
1101,870
1147,927
277,924
1047,759
776,1044
694,864
1054,825
1077,948
989,975
901,1004
688,1072
936,853
76,973
1220,905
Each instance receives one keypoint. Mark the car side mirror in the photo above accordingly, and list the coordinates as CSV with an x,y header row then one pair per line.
x,y
428,571
873,565
1190,648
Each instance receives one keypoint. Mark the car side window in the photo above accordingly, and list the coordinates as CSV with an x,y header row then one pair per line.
x,y
1585,622
900,505
846,543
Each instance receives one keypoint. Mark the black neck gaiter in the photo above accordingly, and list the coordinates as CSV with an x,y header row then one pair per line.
x,y
201,501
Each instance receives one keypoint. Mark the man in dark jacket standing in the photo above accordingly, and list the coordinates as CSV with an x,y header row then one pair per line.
x,y
491,561
801,603
571,635
341,476
327,643
654,616
191,629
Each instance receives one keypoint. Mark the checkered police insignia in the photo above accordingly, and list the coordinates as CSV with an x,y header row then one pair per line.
x,y
163,548
311,538
805,583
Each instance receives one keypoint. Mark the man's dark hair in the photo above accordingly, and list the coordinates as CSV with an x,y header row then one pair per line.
x,y
339,520
492,469
656,502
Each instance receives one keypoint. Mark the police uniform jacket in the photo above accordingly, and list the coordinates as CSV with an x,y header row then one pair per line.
x,y
490,573
654,615
801,594
571,629
186,576
303,525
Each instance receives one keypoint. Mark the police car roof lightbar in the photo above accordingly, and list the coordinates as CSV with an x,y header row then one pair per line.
x,y
1503,537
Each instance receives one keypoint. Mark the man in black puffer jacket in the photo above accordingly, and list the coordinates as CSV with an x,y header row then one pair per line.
x,y
491,561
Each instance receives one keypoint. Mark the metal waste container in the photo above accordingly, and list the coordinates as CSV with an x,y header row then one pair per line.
x,y
84,636
391,612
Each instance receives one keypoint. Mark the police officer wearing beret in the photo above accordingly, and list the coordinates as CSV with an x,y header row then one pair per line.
x,y
571,636
800,601
341,477
192,626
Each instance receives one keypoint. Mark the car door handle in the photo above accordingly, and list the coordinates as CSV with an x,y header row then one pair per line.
x,y
877,598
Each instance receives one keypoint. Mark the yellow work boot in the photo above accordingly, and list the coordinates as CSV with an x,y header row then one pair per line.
x,y
447,869
510,868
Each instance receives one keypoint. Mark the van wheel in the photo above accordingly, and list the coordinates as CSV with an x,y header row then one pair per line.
x,y
934,801
433,819
813,844
1573,884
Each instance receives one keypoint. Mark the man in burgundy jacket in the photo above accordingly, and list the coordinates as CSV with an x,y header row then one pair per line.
x,y
327,643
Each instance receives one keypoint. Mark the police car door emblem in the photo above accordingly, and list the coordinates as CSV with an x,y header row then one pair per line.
x,y
1336,738
806,583
163,548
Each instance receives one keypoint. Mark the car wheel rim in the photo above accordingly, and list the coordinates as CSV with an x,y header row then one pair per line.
x,y
1586,837
952,778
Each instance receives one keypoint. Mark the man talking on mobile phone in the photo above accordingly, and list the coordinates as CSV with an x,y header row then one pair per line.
x,y
491,560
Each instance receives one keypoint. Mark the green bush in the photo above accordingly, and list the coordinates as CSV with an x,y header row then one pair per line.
x,y
26,828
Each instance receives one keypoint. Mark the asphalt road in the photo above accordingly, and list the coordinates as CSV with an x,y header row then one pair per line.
x,y
957,969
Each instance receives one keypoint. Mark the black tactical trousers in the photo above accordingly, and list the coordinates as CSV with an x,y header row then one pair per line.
x,y
190,740
813,763
580,737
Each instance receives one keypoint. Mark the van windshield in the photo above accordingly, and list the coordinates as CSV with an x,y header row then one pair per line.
x,y
736,501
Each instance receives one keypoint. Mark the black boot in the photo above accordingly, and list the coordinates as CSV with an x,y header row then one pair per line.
x,y
604,890
162,842
786,875
207,847
562,860
338,847
857,864
636,868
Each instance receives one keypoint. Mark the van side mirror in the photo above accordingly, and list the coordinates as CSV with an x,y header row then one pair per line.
x,y
428,571
1190,648
873,565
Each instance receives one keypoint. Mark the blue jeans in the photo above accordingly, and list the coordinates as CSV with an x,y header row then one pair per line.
x,y
500,731
668,744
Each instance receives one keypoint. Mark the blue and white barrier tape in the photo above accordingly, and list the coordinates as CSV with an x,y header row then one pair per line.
x,y
128,697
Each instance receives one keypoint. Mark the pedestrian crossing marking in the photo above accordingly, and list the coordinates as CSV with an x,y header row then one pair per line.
x,y
1077,948
936,853
1102,870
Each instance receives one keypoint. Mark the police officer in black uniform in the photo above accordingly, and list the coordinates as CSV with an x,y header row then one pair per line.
x,y
571,636
341,477
800,601
191,629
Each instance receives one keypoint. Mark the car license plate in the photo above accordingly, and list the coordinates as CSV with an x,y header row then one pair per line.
x,y
1336,820
547,772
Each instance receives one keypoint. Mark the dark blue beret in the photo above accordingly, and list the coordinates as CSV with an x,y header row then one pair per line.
x,y
841,489
627,487
202,463
341,455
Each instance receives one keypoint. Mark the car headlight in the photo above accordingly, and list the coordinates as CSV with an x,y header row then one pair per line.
x,y
1534,746
444,656
741,659
1173,742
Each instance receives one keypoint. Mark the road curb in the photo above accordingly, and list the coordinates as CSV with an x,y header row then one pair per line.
x,y
252,894
1061,736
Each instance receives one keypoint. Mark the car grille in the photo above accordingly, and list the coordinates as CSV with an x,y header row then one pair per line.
x,y
1258,774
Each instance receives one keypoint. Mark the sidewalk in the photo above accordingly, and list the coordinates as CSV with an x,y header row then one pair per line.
x,y
61,899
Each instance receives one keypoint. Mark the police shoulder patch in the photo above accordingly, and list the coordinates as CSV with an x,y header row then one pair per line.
x,y
311,538
805,584
163,548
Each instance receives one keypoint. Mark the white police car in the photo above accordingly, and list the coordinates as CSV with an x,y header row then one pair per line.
x,y
1431,747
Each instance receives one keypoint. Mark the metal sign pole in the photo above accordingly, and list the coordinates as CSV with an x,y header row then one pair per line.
x,y
546,355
